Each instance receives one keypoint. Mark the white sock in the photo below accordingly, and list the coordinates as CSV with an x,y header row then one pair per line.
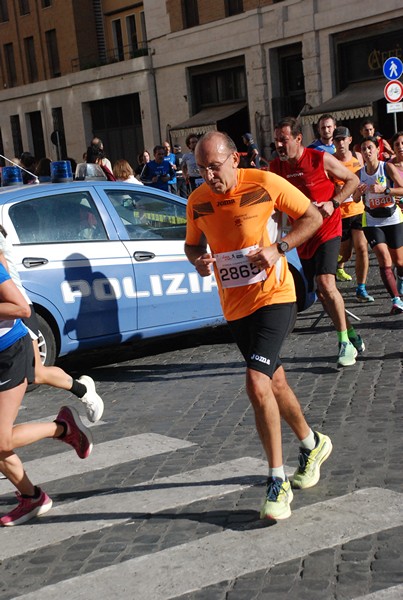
x,y
309,442
277,472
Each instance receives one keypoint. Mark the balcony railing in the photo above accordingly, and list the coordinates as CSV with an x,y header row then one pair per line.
x,y
111,56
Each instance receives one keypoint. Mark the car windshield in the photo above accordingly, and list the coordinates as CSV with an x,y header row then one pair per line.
x,y
69,217
148,216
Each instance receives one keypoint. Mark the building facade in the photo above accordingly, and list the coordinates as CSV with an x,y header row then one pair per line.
x,y
264,60
73,69
136,73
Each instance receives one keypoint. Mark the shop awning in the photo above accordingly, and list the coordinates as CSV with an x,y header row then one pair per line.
x,y
206,120
354,102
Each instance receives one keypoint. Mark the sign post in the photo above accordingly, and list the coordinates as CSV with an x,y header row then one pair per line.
x,y
55,139
393,70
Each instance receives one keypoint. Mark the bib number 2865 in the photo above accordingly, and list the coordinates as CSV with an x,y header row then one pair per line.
x,y
235,270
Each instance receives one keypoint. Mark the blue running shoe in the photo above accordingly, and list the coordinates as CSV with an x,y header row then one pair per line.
x,y
363,296
397,306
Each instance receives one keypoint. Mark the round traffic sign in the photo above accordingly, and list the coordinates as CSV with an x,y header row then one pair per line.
x,y
393,91
393,68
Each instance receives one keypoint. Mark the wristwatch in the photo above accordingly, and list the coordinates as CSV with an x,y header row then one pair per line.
x,y
282,247
387,191
335,203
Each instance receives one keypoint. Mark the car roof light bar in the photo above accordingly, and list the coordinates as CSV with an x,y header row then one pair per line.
x,y
36,180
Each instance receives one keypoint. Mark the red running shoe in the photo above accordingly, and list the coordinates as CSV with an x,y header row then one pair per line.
x,y
77,434
27,509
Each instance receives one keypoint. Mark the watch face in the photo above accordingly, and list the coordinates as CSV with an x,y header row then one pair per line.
x,y
283,246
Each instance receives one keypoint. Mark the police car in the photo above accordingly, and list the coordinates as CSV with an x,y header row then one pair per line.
x,y
103,263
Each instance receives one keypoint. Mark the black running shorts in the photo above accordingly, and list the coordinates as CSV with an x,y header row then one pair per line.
x,y
259,336
348,224
323,262
391,235
17,363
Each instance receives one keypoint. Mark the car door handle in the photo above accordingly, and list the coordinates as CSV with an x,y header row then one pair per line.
x,y
141,256
30,263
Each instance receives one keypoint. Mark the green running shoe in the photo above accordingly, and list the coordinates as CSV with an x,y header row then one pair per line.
x,y
278,499
308,473
341,275
347,354
358,343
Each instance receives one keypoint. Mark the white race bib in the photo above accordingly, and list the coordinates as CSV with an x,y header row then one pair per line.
x,y
235,270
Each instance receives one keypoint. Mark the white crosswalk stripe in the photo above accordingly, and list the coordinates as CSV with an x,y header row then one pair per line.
x,y
393,593
104,455
79,517
230,554
199,563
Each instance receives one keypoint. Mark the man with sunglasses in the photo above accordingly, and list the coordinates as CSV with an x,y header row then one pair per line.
x,y
231,212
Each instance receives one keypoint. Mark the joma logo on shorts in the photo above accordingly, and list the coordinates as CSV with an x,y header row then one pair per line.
x,y
261,359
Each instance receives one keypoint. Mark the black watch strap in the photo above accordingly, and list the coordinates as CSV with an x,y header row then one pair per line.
x,y
335,203
282,247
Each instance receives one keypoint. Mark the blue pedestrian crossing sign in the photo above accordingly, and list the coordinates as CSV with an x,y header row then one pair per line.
x,y
393,68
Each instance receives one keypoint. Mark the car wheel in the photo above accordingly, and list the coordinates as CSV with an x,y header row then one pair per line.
x,y
46,342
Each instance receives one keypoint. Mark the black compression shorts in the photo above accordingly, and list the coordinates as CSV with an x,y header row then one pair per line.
x,y
391,235
259,336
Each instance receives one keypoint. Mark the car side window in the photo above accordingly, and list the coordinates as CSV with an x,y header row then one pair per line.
x,y
149,217
69,217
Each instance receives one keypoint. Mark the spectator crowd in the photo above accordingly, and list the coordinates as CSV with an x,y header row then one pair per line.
x,y
377,163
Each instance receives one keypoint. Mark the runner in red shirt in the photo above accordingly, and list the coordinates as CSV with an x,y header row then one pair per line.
x,y
311,172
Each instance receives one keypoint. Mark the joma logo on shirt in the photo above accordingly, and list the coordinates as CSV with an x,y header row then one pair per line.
x,y
225,202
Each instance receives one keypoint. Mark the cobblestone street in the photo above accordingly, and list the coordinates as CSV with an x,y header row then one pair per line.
x,y
167,505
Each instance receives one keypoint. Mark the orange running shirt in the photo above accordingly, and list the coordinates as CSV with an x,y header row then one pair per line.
x,y
349,208
240,219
